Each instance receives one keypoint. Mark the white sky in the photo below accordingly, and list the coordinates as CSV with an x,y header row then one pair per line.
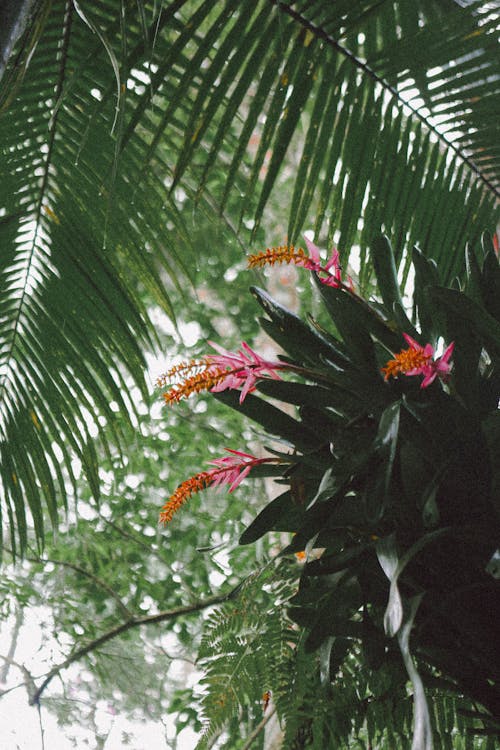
x,y
20,724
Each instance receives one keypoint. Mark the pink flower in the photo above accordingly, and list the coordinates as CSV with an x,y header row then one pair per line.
x,y
233,469
440,366
243,369
218,372
432,367
313,263
329,274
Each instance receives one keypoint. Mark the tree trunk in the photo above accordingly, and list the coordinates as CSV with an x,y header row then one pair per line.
x,y
4,671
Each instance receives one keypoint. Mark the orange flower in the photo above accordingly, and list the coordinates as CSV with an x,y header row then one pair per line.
x,y
406,361
218,372
266,699
183,492
281,254
204,380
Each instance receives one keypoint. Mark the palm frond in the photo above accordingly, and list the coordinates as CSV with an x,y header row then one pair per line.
x,y
74,273
333,102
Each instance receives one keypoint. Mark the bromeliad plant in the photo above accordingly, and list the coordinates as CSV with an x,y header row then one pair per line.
x,y
393,471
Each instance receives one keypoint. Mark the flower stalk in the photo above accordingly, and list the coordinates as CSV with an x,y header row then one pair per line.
x,y
219,372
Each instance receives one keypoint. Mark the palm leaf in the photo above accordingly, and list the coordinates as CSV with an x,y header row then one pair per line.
x,y
73,323
372,54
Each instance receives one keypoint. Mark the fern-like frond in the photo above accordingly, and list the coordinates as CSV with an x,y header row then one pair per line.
x,y
243,645
334,699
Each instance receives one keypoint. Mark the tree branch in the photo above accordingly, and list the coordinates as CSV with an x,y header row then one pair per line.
x,y
123,628
28,681
4,672
128,535
98,581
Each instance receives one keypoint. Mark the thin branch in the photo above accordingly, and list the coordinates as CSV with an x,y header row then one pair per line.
x,y
12,688
28,681
98,581
42,731
258,729
4,672
322,34
123,628
132,537
177,657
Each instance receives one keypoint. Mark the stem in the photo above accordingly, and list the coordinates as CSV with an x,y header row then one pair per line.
x,y
28,681
258,729
98,581
4,673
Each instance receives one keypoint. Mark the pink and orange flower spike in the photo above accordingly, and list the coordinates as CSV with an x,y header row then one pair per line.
x,y
230,470
418,360
219,372
329,274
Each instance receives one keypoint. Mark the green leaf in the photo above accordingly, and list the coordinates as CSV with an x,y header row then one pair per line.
x,y
337,561
422,732
340,400
333,616
281,514
350,321
353,313
490,284
473,275
393,563
273,420
377,491
385,270
301,341
426,274
458,305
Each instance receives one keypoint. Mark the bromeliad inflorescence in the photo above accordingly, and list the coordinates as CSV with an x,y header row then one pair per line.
x,y
329,274
240,371
219,372
230,470
419,360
